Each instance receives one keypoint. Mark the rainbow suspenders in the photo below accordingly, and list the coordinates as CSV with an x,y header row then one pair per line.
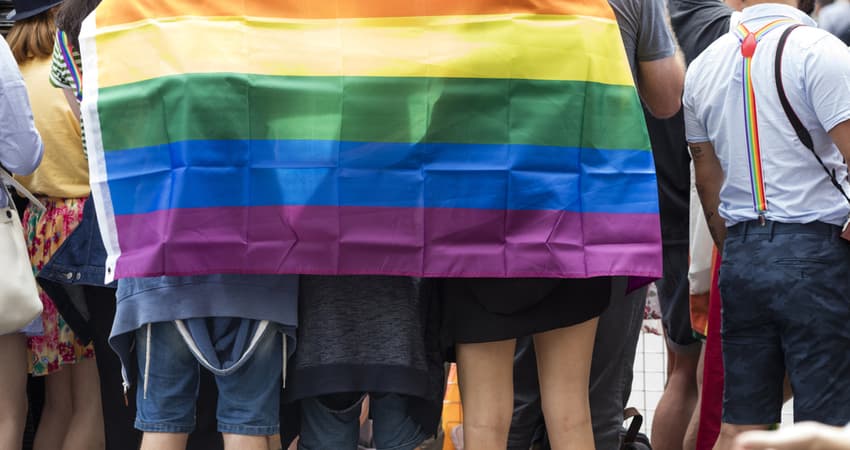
x,y
749,40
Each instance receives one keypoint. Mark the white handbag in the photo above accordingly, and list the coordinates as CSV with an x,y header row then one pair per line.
x,y
19,301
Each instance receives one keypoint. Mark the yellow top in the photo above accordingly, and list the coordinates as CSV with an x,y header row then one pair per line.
x,y
64,171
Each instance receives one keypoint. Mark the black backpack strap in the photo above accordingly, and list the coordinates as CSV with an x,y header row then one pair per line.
x,y
802,132
634,428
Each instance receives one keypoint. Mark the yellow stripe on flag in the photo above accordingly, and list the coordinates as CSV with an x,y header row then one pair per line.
x,y
492,46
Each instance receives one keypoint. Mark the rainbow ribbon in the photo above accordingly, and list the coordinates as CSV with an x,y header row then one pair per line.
x,y
68,54
748,46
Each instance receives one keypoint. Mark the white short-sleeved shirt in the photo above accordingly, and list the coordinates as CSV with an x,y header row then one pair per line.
x,y
816,76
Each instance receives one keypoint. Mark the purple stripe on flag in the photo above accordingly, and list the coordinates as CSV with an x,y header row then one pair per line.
x,y
326,240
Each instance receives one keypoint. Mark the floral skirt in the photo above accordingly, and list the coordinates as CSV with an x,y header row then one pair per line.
x,y
45,233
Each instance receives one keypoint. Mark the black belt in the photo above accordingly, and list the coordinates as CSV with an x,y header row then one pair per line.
x,y
770,227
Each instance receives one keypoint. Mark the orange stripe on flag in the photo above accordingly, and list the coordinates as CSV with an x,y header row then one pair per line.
x,y
116,12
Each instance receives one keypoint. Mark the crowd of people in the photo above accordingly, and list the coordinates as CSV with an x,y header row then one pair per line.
x,y
746,106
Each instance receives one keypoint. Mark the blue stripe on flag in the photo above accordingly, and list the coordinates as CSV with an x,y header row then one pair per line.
x,y
199,174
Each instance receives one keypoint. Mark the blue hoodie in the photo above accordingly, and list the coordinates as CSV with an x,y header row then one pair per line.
x,y
219,316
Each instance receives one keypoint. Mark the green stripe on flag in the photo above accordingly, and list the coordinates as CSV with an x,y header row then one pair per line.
x,y
229,106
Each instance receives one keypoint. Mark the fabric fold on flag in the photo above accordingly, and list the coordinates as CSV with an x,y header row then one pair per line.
x,y
437,138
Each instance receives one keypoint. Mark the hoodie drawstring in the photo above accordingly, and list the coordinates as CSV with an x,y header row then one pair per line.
x,y
147,361
284,359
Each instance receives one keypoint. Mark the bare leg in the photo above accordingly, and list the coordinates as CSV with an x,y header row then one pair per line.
x,y
677,403
13,390
364,411
563,363
242,442
164,441
728,433
693,427
85,432
787,392
486,374
274,443
58,409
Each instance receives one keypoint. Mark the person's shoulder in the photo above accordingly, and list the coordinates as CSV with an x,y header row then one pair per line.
x,y
813,38
627,12
630,6
720,47
816,46
7,61
702,71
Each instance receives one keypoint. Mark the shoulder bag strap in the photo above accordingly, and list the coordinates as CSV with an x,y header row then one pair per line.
x,y
7,180
802,132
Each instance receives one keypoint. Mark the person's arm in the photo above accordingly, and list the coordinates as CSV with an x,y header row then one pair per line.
x,y
827,69
660,85
709,180
840,134
803,436
708,172
20,144
660,70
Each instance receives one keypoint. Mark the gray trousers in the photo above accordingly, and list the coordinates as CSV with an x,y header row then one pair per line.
x,y
610,374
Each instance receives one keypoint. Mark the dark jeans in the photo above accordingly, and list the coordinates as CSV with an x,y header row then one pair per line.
x,y
785,292
674,299
332,422
118,417
610,375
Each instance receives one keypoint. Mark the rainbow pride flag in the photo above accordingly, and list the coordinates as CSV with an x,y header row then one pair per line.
x,y
457,138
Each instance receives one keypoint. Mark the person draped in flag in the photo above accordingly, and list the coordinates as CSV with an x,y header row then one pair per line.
x,y
240,328
458,140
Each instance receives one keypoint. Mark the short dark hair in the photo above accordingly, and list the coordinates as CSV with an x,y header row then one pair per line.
x,y
71,15
807,6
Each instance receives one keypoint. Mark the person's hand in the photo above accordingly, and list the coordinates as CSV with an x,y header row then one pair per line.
x,y
802,436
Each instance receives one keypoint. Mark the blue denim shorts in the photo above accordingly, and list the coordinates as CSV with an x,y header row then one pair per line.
x,y
333,422
785,292
169,377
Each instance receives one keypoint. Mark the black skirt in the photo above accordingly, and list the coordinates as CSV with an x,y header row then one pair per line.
x,y
493,309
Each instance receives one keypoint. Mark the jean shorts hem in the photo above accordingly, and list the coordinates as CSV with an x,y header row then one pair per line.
x,y
154,427
758,420
249,430
410,445
691,348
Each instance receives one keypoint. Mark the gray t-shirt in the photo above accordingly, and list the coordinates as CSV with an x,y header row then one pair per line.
x,y
643,25
698,23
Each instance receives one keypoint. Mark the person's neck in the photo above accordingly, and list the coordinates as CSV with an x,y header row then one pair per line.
x,y
791,3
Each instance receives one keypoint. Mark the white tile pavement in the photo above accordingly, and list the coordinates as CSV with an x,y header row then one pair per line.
x,y
650,374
